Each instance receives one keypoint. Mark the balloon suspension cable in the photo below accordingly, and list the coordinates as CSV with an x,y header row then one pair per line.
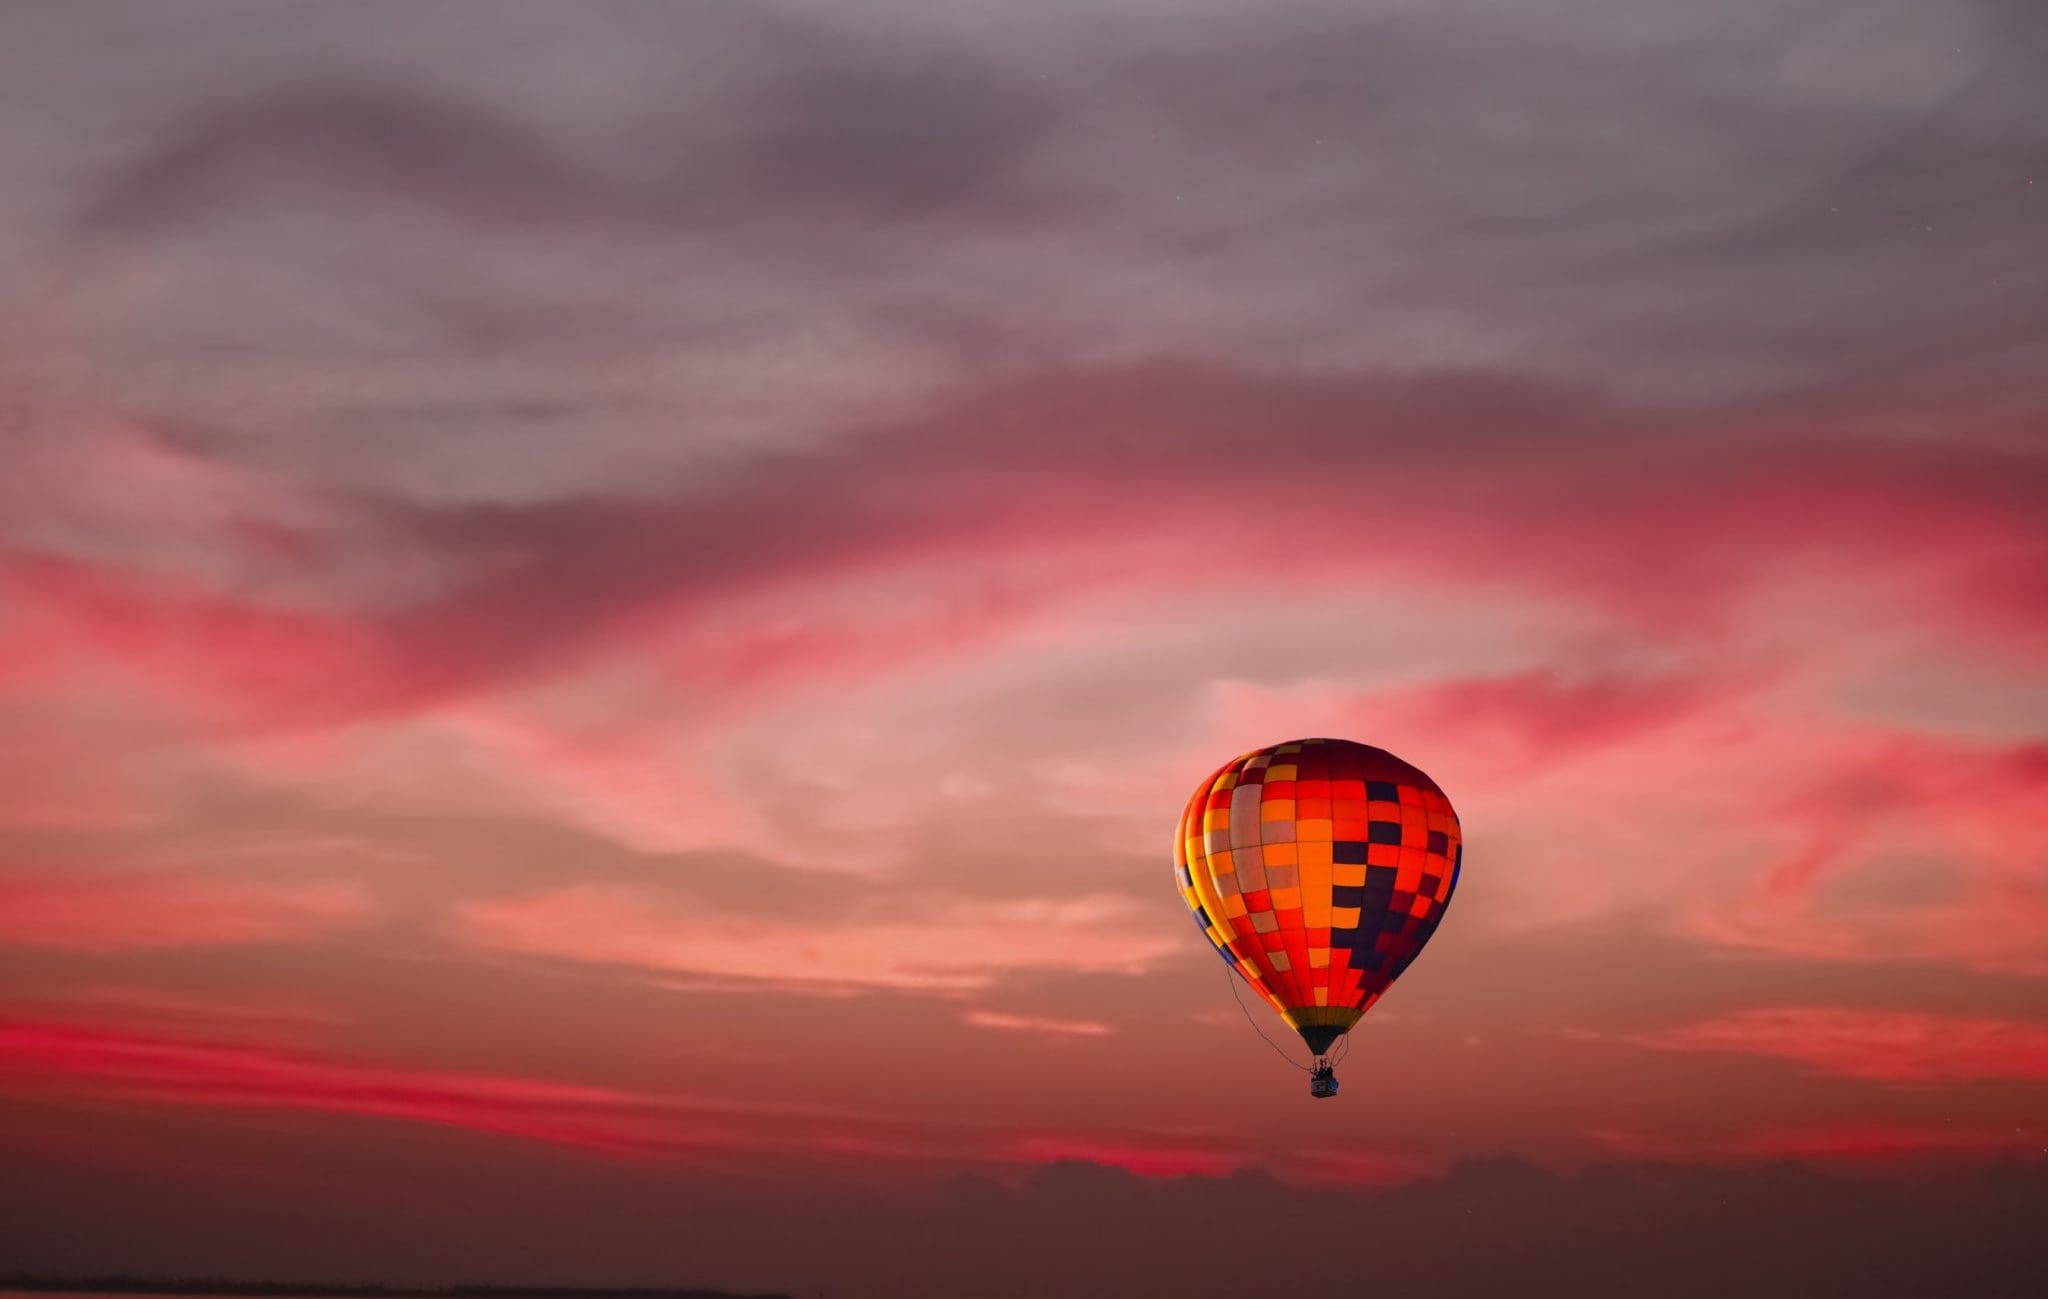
x,y
1232,976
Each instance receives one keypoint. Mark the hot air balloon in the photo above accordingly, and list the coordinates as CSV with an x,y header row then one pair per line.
x,y
1318,869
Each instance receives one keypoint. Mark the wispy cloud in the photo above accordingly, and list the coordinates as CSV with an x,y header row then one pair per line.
x,y
938,945
144,911
1037,1024
177,1071
1889,1046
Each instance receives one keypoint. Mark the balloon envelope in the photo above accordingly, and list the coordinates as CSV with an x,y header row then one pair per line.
x,y
1318,869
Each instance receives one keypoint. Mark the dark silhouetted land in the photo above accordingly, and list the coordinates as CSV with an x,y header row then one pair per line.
x,y
304,1289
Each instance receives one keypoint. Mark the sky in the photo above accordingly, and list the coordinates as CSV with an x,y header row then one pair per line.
x,y
606,612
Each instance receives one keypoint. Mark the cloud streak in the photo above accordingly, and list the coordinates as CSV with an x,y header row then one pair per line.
x,y
906,943
164,910
1886,1046
1009,1023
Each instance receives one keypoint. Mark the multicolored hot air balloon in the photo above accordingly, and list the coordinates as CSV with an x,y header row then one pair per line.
x,y
1318,869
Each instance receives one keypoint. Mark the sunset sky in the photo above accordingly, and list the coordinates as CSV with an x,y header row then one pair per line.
x,y
616,604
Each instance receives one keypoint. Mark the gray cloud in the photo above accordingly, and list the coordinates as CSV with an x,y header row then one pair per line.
x,y
828,129
689,226
341,148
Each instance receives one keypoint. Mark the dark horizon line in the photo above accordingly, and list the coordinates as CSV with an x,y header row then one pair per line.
x,y
125,1283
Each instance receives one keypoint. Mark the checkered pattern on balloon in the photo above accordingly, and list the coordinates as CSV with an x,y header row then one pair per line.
x,y
1318,869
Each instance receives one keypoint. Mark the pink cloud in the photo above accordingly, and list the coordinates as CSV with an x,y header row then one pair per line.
x,y
221,656
1992,799
175,1071
1994,928
1508,726
1037,1024
1892,1046
938,945
56,771
1975,809
1545,715
639,784
141,911
116,493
